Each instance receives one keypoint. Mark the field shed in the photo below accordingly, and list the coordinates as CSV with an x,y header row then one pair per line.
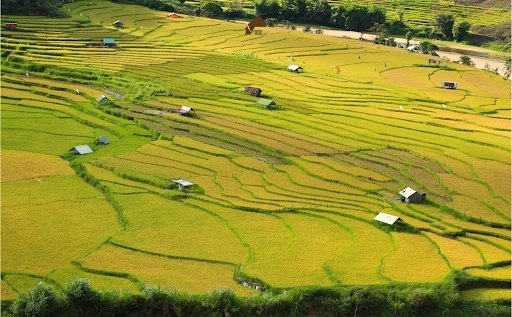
x,y
185,111
102,98
102,140
81,149
267,103
253,91
183,185
108,42
387,218
412,47
294,68
411,196
449,84
173,15
11,25
118,24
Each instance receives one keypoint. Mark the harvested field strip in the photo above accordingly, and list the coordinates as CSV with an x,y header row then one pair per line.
x,y
458,254
415,259
20,282
166,227
7,292
183,275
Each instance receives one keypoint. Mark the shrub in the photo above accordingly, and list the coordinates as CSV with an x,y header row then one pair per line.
x,y
40,301
271,22
465,60
211,9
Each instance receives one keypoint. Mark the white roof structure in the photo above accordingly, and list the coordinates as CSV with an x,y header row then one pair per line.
x,y
408,192
182,182
81,149
293,67
412,47
102,97
185,109
386,218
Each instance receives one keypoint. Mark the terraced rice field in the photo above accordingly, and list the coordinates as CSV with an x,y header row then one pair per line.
x,y
286,197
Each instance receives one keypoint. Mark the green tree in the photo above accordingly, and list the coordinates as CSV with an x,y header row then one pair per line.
x,y
465,60
289,9
427,48
319,12
338,17
408,37
271,22
267,8
211,9
40,301
461,31
443,25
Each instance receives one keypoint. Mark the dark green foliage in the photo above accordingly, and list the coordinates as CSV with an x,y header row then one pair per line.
x,y
271,22
443,25
465,60
211,9
50,8
267,9
364,301
427,47
461,31
319,12
40,301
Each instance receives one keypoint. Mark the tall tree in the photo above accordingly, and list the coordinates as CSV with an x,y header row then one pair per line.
x,y
289,9
443,25
319,12
461,31
267,8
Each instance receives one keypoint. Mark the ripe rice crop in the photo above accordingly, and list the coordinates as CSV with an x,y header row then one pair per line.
x,y
415,259
491,253
20,283
502,273
36,238
458,254
473,208
180,274
486,294
172,228
7,292
192,144
68,272
18,165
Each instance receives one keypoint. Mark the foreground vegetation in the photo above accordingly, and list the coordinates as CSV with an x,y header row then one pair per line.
x,y
285,199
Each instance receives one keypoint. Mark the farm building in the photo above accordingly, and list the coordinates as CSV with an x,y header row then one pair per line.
x,y
253,91
185,111
81,149
118,24
173,15
108,42
449,84
267,103
387,218
102,98
411,196
102,140
294,68
183,185
412,48
11,25
256,22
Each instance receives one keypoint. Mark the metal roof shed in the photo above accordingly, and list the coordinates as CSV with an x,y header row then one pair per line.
x,y
102,140
102,98
81,149
266,103
387,218
183,184
410,195
293,68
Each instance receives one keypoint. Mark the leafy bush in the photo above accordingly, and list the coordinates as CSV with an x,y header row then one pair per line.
x,y
211,9
40,301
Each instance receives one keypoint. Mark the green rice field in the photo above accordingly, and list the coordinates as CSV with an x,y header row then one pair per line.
x,y
285,197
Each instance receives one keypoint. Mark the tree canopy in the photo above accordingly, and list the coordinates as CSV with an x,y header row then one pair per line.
x,y
50,8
